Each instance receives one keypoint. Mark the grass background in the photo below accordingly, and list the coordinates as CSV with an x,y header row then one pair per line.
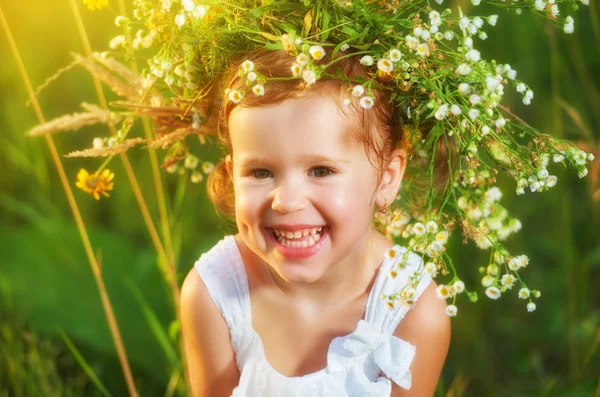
x,y
50,310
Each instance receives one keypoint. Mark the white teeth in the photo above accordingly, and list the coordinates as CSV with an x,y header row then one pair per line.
x,y
306,232
289,234
284,237
297,234
317,237
311,241
305,243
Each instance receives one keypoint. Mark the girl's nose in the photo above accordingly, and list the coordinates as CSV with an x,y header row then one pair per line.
x,y
288,197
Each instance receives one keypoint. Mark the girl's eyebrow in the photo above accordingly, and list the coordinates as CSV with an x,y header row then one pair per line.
x,y
250,159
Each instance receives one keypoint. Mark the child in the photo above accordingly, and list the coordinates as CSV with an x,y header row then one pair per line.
x,y
290,305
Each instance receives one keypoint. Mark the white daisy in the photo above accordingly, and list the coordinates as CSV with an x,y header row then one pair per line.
x,y
442,291
493,293
309,76
431,226
458,286
385,65
302,59
431,268
464,88
296,69
473,114
411,42
524,293
423,49
317,52
451,310
419,229
235,96
392,253
258,90
367,102
180,20
508,280
435,18
442,237
395,55
358,90
463,69
475,99
367,60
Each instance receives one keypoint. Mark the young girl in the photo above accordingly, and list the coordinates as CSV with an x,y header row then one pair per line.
x,y
290,305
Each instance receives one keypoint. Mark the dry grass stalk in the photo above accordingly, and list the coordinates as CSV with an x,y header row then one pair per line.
x,y
167,140
117,85
107,151
49,80
73,122
117,67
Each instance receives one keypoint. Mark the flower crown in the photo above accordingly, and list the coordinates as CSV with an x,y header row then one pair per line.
x,y
426,57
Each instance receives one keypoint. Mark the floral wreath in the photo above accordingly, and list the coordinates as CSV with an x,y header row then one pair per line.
x,y
424,52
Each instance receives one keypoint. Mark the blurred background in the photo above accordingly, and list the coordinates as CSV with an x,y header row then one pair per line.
x,y
54,337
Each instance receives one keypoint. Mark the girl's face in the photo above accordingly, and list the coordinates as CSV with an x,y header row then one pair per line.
x,y
295,169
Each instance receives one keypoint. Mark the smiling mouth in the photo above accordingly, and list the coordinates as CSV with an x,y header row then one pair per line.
x,y
299,239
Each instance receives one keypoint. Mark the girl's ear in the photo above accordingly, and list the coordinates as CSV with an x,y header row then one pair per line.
x,y
393,172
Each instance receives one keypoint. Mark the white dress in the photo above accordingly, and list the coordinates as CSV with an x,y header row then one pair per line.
x,y
361,364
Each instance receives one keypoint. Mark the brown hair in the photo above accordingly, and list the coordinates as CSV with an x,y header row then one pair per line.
x,y
380,129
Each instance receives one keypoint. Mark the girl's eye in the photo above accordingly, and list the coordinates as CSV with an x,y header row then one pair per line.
x,y
321,172
260,173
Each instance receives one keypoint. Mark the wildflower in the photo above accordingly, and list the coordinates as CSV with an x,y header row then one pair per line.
x,y
463,23
442,237
451,310
248,66
526,101
473,56
435,18
423,49
411,42
463,69
449,35
358,90
117,41
252,76
191,161
199,11
531,307
419,229
258,90
473,114
501,122
458,286
554,10
582,172
492,19
98,143
392,253
529,94
442,112
119,20
367,60
426,35
442,291
478,22
95,184
95,4
524,293
483,35
508,280
395,55
207,167
367,102
317,52
539,5
180,20
464,88
455,110
309,76
296,69
569,26
475,99
431,226
385,65
196,177
302,59
487,280
493,293
235,96
431,268
188,5
344,47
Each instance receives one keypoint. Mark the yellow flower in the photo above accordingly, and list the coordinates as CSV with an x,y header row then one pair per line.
x,y
95,184
95,4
